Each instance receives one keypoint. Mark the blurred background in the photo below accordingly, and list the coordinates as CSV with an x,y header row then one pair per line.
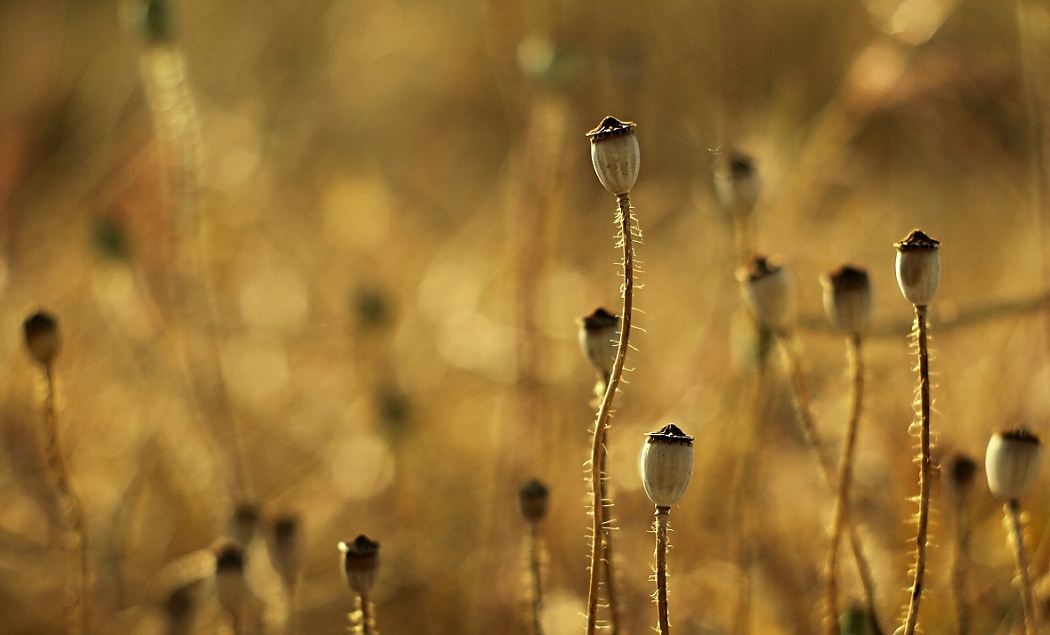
x,y
325,259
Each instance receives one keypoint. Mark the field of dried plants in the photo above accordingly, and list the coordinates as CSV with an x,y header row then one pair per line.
x,y
317,269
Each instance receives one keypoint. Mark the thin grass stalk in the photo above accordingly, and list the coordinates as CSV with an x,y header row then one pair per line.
x,y
960,556
912,617
660,527
534,575
1013,517
845,475
72,510
813,438
607,548
626,239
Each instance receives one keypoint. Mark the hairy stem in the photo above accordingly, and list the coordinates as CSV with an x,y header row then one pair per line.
x,y
602,420
662,515
827,470
912,617
534,574
1013,515
607,548
845,475
72,510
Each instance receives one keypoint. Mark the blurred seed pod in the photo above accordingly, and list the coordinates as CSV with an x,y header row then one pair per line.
x,y
615,154
152,20
42,337
855,621
918,267
598,340
245,520
229,576
360,563
666,465
736,182
1012,463
767,293
847,299
958,475
533,497
286,548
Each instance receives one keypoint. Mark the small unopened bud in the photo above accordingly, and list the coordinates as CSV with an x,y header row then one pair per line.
x,y
42,337
229,576
615,154
736,182
767,293
597,335
957,476
533,497
245,520
360,563
286,548
666,465
847,299
1012,463
918,267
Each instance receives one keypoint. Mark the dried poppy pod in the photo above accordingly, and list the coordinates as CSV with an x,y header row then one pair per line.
x,y
244,522
597,335
615,154
957,476
286,548
847,299
767,293
229,576
736,182
42,337
666,465
533,497
360,563
918,267
1012,463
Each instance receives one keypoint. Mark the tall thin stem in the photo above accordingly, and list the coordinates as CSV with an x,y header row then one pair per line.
x,y
72,510
809,430
534,574
1013,515
607,548
912,617
601,422
662,516
960,556
845,475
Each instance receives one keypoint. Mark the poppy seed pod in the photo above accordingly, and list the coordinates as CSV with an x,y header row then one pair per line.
x,y
847,298
286,548
1012,463
918,267
958,475
597,335
615,154
42,337
666,465
736,182
229,576
360,563
533,498
767,293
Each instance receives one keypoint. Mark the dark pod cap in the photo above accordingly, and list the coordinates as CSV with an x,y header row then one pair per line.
x,y
533,497
360,563
958,475
42,337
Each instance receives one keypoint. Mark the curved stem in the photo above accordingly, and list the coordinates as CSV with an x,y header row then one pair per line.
x,y
662,515
534,571
912,617
841,509
1013,515
602,420
72,510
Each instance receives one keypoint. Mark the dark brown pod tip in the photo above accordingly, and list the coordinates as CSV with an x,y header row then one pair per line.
x,y
958,475
670,433
42,337
741,167
757,268
610,127
848,278
533,496
1022,434
917,240
599,319
245,521
229,558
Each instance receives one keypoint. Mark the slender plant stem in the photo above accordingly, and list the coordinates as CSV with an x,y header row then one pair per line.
x,y
842,497
960,557
912,617
72,510
534,574
1013,515
607,548
366,612
662,516
602,420
291,590
827,469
